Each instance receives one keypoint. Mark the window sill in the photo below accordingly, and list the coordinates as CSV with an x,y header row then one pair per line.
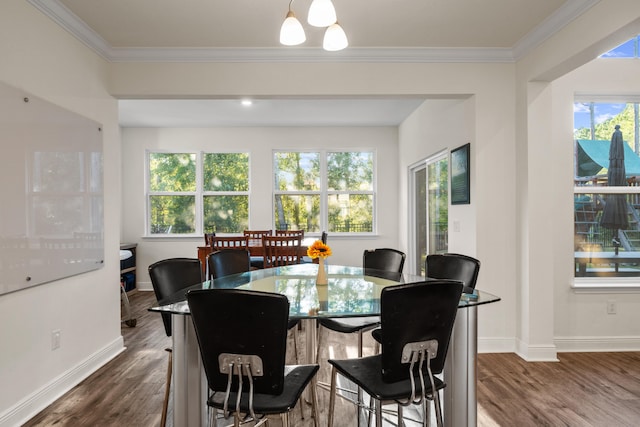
x,y
606,285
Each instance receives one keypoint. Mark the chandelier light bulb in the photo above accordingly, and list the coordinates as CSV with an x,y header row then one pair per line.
x,y
335,38
322,13
291,32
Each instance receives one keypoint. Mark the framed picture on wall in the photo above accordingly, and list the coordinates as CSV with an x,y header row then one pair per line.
x,y
460,181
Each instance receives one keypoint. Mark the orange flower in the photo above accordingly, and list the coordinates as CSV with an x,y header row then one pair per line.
x,y
318,250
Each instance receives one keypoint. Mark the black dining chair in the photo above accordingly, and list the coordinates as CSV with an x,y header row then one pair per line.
x,y
233,261
375,262
244,361
225,262
449,266
417,320
378,262
455,267
168,277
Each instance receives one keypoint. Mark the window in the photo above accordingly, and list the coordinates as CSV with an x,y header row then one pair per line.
x,y
628,49
226,192
324,190
191,193
606,227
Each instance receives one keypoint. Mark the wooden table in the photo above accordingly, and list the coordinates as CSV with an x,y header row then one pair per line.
x,y
255,249
584,258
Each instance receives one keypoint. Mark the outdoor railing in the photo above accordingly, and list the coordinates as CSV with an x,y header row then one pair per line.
x,y
607,248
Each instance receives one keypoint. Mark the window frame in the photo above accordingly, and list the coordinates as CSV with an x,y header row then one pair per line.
x,y
324,192
199,192
604,284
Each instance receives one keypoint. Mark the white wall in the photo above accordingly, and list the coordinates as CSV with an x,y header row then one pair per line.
x,y
42,59
486,224
260,143
581,318
483,114
551,317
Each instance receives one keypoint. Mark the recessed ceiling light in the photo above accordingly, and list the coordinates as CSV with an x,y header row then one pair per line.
x,y
247,102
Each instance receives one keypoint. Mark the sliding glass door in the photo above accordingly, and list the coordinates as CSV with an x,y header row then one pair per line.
x,y
430,209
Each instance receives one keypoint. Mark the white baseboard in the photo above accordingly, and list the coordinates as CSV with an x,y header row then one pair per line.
x,y
537,353
144,286
597,344
31,405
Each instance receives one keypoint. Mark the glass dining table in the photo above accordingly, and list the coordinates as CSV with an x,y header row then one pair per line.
x,y
350,292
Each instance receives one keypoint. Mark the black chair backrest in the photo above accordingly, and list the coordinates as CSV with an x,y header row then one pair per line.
x,y
323,237
241,322
172,275
416,312
229,261
384,259
454,267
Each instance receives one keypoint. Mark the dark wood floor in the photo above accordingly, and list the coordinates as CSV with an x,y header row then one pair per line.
x,y
583,389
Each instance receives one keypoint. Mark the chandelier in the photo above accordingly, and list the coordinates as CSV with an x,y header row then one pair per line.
x,y
321,14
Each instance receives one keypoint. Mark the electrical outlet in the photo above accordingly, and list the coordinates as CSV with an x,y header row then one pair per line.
x,y
611,307
55,339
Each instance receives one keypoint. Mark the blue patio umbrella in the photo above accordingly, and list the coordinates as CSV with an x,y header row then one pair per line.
x,y
615,215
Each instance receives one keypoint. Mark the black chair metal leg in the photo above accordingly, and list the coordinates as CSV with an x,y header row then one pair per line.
x,y
436,402
332,396
314,403
285,419
165,404
426,413
378,405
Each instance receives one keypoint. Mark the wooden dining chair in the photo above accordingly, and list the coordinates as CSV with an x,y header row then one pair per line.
x,y
281,250
207,238
229,242
290,233
256,236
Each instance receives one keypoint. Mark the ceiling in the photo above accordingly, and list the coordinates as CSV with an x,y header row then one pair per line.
x,y
248,30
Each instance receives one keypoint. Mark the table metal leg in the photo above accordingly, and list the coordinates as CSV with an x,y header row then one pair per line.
x,y
460,398
189,384
309,326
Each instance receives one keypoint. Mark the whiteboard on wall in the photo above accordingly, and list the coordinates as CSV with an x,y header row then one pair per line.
x,y
51,206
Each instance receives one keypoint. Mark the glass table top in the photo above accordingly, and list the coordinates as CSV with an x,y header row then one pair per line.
x,y
350,292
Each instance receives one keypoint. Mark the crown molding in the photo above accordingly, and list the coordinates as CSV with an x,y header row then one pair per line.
x,y
389,55
79,29
569,11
